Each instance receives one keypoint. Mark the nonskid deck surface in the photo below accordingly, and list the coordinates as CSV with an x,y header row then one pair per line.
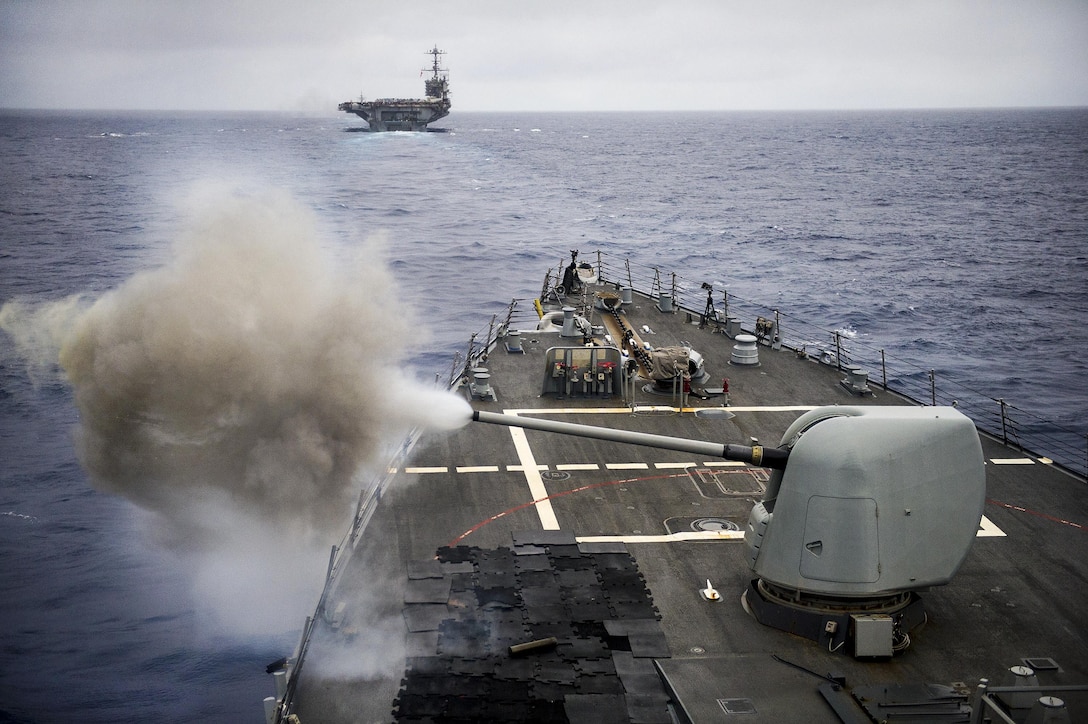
x,y
493,536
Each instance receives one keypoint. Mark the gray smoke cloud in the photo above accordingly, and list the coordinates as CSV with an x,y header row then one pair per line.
x,y
237,391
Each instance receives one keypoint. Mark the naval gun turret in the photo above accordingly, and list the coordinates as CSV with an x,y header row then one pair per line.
x,y
866,506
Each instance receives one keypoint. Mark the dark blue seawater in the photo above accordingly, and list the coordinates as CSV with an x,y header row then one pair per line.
x,y
955,240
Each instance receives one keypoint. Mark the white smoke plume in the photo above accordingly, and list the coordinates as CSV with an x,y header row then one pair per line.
x,y
236,392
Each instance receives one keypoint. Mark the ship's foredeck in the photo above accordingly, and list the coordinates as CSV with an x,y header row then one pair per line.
x,y
492,536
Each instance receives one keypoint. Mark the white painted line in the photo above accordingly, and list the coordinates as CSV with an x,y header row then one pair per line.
x,y
571,411
426,470
521,468
667,538
1012,461
674,466
987,529
626,466
478,469
532,476
724,464
392,471
578,466
769,408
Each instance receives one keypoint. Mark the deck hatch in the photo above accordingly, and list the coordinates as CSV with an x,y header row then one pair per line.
x,y
737,706
1042,664
715,413
840,542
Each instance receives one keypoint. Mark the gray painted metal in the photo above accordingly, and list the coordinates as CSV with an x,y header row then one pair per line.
x,y
756,455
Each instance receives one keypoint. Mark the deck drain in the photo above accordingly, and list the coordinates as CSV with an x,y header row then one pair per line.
x,y
713,524
555,475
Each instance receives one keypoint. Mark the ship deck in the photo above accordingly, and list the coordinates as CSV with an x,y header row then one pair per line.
x,y
491,536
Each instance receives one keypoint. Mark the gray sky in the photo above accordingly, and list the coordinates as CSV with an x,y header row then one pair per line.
x,y
557,55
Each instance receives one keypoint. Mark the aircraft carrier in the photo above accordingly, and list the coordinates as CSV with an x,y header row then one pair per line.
x,y
408,114
668,510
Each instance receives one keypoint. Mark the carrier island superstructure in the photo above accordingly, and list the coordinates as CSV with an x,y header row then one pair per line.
x,y
408,114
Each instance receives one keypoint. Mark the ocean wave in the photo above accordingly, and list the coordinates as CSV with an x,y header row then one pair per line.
x,y
839,222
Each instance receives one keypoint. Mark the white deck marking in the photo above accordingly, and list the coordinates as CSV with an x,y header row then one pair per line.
x,y
567,466
1012,461
532,476
572,411
987,529
667,538
767,408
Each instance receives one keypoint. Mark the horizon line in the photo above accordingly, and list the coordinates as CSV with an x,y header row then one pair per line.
x,y
312,111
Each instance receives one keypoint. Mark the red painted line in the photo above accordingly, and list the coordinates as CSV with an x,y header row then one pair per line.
x,y
553,496
1062,521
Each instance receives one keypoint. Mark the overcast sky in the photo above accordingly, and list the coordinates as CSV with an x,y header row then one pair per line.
x,y
556,55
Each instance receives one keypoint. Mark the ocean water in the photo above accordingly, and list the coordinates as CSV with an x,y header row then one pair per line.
x,y
955,240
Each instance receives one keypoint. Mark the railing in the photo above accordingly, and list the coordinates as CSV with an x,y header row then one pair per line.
x,y
280,707
520,313
1014,426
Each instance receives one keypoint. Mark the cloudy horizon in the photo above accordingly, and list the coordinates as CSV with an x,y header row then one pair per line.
x,y
563,55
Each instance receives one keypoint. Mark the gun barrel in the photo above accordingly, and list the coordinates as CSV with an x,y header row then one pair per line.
x,y
767,457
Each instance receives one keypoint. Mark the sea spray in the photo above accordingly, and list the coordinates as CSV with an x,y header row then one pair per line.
x,y
236,391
